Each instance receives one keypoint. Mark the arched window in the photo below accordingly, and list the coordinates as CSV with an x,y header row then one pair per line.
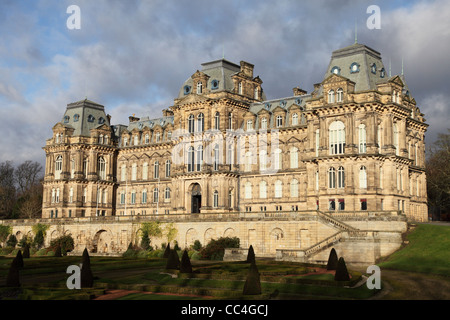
x,y
294,158
156,170
191,123
167,194
264,123
217,121
144,196
256,93
331,178
240,88
101,168
58,167
134,172
190,160
248,190
168,167
278,159
199,87
200,122
263,190
145,171
362,138
216,199
331,96
100,139
295,119
279,121
294,188
363,177
340,95
341,178
155,195
263,160
106,141
199,159
278,189
216,157
337,137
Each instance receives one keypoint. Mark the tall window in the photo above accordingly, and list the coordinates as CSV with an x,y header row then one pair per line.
x,y
216,199
57,196
339,95
156,170
279,121
147,138
199,87
123,173
71,195
263,160
167,194
248,190
230,121
317,142
256,93
331,178
158,137
58,167
331,96
136,140
122,197
168,165
396,139
190,159
72,168
294,158
278,159
249,125
200,122
199,162
101,168
217,121
341,178
240,87
84,196
363,177
295,119
145,171
216,157
362,138
85,167
379,131
337,137
317,180
263,190
294,188
155,195
144,196
248,161
133,197
278,189
264,123
191,123
134,172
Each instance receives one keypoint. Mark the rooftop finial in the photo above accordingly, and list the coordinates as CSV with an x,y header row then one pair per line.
x,y
402,65
356,33
390,74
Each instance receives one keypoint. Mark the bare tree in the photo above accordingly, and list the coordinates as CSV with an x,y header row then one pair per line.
x,y
27,175
7,189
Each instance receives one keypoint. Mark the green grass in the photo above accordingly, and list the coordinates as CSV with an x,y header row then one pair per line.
x,y
428,251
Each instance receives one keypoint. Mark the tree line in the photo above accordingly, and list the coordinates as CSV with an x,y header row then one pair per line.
x,y
21,190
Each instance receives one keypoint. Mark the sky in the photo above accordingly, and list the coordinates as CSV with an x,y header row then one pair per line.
x,y
132,56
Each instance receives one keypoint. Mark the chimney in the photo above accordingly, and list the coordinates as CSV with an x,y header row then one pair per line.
x,y
299,92
133,118
247,69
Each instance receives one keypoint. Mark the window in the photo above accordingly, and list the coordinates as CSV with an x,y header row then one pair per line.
x,y
279,121
156,170
331,96
363,178
249,125
158,137
363,204
90,118
240,88
216,157
341,204
278,189
200,122
396,139
230,121
264,123
336,70
278,159
256,93
317,180
294,188
354,67
101,120
125,141
53,195
337,137
295,119
339,95
144,196
85,167
214,84
71,195
145,171
58,167
123,173
186,90
84,197
199,162
331,178
101,168
57,196
167,194
317,142
155,195
362,138
168,165
191,123
66,119
199,87
76,117
216,199
263,190
294,158
248,190
122,197
248,161
105,196
263,160
331,204
190,161
379,131
373,68
136,140
341,178
133,197
134,172
106,140
217,121
147,138
72,168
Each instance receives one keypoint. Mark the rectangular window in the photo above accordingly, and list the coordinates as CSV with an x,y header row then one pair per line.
x,y
341,204
331,205
363,204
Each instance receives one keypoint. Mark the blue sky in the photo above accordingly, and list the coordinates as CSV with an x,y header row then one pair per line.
x,y
133,56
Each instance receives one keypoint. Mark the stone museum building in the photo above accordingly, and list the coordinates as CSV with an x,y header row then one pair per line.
x,y
342,166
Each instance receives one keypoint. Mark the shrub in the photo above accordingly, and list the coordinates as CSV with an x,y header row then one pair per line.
x,y
252,283
87,278
19,259
65,244
332,260
251,255
145,240
12,241
215,249
167,251
341,271
185,266
173,261
38,241
58,251
13,279
26,252
197,245
4,232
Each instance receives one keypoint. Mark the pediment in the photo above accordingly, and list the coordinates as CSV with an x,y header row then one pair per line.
x,y
263,112
279,110
335,78
397,80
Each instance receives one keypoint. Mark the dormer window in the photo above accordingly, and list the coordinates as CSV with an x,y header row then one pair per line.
x,y
336,70
240,88
158,137
373,68
279,121
101,120
199,87
66,119
354,67
91,118
186,90
382,73
76,117
295,119
264,123
331,96
214,84
339,95
249,125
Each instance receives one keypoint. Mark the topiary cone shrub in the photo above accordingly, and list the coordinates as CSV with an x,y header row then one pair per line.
x,y
332,260
251,255
173,261
252,284
58,252
26,252
341,271
13,279
186,266
167,251
87,278
19,259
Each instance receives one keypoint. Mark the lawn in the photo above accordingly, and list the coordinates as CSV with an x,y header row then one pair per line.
x,y
427,251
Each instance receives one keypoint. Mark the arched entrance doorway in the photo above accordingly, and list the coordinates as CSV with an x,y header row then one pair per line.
x,y
196,198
